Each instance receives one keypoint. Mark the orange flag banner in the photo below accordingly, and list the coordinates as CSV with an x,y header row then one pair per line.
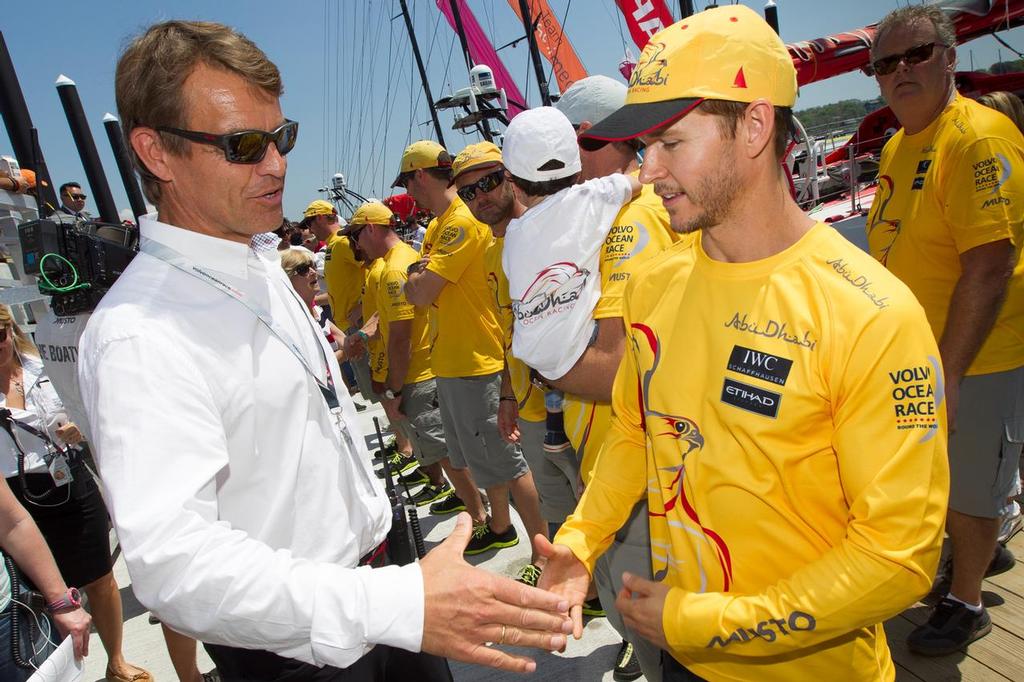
x,y
553,43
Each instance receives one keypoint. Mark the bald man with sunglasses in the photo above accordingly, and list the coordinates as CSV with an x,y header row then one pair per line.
x,y
947,221
236,474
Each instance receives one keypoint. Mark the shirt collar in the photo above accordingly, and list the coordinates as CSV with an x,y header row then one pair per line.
x,y
222,255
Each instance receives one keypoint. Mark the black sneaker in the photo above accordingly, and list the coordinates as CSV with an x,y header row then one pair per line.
x,y
592,608
1002,561
951,627
413,478
400,464
485,539
431,493
449,505
556,441
627,665
529,575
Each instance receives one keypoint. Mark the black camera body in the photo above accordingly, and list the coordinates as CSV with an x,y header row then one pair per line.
x,y
76,262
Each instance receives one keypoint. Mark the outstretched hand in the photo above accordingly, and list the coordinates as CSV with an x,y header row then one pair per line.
x,y
566,576
467,608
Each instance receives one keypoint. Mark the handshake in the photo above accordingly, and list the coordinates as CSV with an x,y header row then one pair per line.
x,y
468,609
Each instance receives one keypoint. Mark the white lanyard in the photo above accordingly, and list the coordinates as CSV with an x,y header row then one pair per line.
x,y
180,262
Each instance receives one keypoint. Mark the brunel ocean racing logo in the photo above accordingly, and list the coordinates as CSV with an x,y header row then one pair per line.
x,y
555,290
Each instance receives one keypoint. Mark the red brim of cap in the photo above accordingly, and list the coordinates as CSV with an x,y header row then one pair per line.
x,y
634,120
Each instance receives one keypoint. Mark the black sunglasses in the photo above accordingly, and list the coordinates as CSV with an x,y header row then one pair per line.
x,y
912,57
404,178
484,184
302,270
246,146
77,197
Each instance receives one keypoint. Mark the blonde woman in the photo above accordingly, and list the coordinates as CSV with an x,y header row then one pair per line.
x,y
70,515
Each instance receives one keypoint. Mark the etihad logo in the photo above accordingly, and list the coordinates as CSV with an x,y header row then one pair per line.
x,y
649,70
555,290
751,398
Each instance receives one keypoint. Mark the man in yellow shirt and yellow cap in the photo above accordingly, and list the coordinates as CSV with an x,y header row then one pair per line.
x,y
758,405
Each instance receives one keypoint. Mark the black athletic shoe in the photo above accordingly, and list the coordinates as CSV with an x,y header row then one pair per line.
x,y
431,493
400,464
529,575
413,478
950,627
448,505
1002,561
485,539
627,665
592,608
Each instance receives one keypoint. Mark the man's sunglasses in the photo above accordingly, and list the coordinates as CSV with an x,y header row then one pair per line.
x,y
912,57
302,270
246,146
484,184
78,197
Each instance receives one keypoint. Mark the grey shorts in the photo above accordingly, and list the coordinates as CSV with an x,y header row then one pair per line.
x,y
361,368
556,474
985,449
422,425
469,412
630,551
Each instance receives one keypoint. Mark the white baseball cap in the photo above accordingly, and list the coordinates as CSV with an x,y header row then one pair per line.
x,y
540,145
592,99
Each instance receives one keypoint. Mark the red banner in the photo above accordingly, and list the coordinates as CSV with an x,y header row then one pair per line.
x,y
553,43
644,18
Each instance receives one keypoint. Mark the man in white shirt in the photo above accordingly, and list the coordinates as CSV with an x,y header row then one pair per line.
x,y
239,485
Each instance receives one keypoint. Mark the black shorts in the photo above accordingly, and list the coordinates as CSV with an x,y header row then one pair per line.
x,y
77,530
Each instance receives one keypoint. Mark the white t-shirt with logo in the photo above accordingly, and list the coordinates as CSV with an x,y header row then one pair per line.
x,y
551,261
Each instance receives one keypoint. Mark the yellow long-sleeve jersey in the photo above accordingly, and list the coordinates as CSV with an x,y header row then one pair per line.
x,y
785,419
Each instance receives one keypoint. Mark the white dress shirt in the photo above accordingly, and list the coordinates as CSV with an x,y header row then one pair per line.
x,y
43,411
241,506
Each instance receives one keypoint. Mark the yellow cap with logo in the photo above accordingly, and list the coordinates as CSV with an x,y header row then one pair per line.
x,y
422,154
319,207
370,213
725,53
474,155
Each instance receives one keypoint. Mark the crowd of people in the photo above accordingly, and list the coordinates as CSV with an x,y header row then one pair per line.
x,y
722,425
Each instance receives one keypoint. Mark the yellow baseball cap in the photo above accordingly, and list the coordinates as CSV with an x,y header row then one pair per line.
x,y
725,53
370,213
422,154
478,154
319,207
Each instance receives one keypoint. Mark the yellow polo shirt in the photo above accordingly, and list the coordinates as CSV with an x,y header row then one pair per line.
x,y
344,277
954,186
465,334
790,438
393,306
376,349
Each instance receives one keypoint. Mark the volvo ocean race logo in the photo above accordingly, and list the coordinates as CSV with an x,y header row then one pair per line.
x,y
555,290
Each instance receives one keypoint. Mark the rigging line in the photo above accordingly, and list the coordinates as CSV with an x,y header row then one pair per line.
x,y
362,81
381,129
350,116
558,45
616,18
323,100
382,148
1007,45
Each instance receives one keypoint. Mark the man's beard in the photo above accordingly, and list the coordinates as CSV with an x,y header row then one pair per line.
x,y
713,196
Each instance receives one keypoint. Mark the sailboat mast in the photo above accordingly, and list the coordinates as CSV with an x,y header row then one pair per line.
x,y
542,83
457,15
423,72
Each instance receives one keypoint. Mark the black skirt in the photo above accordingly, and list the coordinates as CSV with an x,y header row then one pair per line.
x,y
76,528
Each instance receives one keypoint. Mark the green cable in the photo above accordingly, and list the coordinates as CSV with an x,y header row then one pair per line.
x,y
50,286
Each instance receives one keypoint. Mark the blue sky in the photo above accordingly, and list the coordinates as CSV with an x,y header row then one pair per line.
x,y
348,72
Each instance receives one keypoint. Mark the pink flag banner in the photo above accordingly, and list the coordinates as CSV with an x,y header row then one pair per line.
x,y
482,52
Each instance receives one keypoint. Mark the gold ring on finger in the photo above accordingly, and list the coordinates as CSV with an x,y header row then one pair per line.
x,y
501,640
